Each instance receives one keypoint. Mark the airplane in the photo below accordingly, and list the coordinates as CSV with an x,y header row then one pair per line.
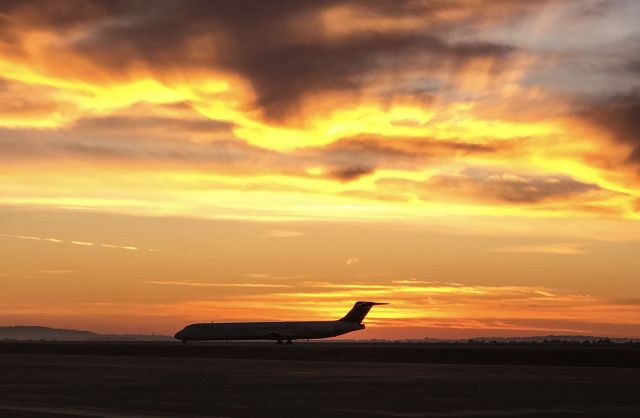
x,y
278,331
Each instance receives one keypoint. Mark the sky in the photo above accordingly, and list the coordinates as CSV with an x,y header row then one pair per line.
x,y
474,163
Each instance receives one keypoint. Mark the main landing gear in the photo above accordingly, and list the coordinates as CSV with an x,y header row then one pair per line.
x,y
289,342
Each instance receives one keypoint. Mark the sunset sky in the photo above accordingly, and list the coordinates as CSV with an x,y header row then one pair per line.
x,y
476,163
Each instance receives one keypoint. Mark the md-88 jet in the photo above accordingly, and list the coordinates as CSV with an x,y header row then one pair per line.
x,y
277,331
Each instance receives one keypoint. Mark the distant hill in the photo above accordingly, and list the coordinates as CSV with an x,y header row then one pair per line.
x,y
53,334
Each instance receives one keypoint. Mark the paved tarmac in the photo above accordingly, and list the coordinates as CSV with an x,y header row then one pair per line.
x,y
98,385
609,355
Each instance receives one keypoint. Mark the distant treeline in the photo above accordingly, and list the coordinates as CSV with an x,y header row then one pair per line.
x,y
552,341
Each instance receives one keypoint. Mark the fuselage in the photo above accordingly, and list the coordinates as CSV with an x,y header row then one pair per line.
x,y
266,330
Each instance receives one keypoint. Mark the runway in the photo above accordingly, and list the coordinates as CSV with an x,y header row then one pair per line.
x,y
96,384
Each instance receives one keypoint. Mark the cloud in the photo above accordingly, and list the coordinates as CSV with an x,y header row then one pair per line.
x,y
619,117
168,144
256,275
281,233
285,51
493,185
415,281
352,261
560,249
157,124
24,104
634,66
315,102
350,158
82,243
30,274
510,187
123,247
53,271
27,237
76,242
187,283
283,74
350,173
141,150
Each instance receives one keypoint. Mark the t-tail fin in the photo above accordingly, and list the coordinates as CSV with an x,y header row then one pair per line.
x,y
359,311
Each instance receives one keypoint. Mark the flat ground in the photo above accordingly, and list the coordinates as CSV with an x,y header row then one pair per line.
x,y
170,380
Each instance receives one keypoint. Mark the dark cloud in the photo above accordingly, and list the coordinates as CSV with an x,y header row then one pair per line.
x,y
351,173
634,65
224,156
512,187
283,74
492,186
135,123
280,47
382,148
56,15
351,158
621,117
348,159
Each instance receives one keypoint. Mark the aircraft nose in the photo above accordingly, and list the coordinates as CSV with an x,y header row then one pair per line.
x,y
179,335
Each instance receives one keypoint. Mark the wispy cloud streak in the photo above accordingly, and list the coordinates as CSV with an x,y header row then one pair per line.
x,y
74,242
213,284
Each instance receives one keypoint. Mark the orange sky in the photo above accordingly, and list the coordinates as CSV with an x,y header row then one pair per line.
x,y
475,163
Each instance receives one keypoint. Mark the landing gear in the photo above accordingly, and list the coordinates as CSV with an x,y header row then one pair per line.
x,y
280,342
289,342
